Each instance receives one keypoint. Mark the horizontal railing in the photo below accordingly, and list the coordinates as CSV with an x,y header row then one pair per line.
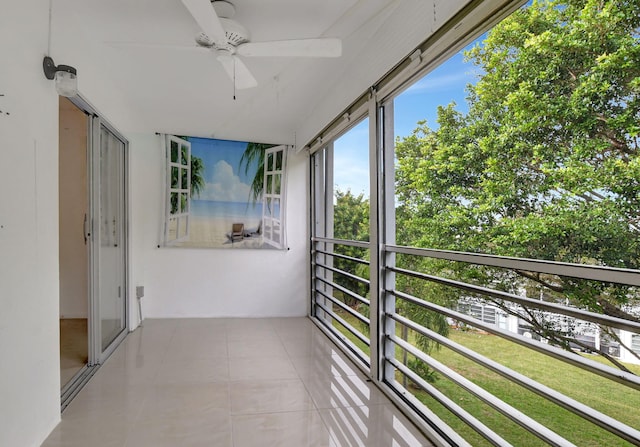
x,y
586,412
582,271
618,323
342,289
348,258
330,296
349,243
587,272
342,321
568,357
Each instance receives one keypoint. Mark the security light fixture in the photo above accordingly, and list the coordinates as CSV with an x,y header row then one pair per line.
x,y
65,76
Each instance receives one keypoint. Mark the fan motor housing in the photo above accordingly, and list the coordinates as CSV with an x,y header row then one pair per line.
x,y
203,40
236,34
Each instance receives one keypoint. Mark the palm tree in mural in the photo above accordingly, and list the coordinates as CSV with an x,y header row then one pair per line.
x,y
197,177
197,180
255,153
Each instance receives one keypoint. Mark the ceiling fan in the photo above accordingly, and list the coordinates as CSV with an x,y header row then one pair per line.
x,y
229,39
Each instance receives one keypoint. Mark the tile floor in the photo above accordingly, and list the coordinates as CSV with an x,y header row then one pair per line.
x,y
231,382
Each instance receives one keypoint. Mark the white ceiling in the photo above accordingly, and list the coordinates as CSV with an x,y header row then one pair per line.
x,y
187,92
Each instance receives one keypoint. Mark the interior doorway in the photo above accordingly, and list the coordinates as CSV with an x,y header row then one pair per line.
x,y
73,202
92,242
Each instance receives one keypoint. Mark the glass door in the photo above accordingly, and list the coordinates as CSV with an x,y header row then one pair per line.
x,y
99,209
109,286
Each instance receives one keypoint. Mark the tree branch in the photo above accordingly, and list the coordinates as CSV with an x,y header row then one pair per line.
x,y
557,338
606,355
537,279
614,311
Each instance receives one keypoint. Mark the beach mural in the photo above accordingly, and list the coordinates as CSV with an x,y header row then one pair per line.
x,y
226,195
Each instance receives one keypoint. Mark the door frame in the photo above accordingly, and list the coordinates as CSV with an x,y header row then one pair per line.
x,y
96,355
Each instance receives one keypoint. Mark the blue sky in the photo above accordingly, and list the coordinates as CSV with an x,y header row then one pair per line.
x,y
224,182
419,102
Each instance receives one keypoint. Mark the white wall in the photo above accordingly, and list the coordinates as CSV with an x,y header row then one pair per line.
x,y
212,283
182,282
29,337
29,264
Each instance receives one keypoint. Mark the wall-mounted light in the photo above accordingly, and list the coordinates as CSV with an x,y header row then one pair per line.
x,y
66,77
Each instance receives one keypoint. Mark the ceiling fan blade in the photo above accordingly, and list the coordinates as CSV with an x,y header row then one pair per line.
x,y
238,72
328,47
161,46
207,19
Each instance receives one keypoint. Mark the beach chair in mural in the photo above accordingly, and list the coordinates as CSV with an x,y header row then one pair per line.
x,y
237,232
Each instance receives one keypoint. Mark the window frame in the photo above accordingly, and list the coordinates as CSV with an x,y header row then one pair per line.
x,y
181,218
274,192
377,103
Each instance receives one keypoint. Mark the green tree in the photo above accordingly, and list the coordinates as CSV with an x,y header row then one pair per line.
x,y
351,222
197,176
544,164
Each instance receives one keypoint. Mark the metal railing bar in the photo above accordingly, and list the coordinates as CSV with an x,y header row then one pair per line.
x,y
344,307
582,271
341,256
612,425
343,273
344,290
421,415
450,405
620,323
608,372
346,345
344,324
531,425
359,244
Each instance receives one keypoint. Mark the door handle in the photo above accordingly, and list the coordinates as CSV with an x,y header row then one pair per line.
x,y
84,229
115,240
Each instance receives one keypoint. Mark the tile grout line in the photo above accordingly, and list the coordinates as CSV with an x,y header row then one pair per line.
x,y
149,391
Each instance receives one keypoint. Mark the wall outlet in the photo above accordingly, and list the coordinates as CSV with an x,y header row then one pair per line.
x,y
139,291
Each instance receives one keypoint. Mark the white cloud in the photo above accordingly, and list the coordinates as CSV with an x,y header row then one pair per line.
x,y
225,185
443,82
352,174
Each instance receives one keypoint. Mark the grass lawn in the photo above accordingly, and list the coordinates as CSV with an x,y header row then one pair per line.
x,y
610,398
